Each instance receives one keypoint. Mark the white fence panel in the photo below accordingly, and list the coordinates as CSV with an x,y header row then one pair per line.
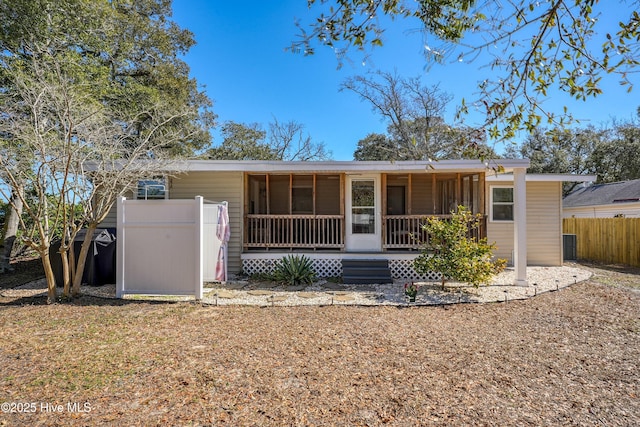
x,y
160,247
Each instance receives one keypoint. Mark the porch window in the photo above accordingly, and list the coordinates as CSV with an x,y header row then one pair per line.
x,y
412,197
294,211
152,189
501,203
302,194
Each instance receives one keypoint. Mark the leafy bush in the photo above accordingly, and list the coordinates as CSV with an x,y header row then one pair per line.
x,y
294,270
452,253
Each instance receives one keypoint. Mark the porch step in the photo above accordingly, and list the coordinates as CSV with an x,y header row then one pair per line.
x,y
366,271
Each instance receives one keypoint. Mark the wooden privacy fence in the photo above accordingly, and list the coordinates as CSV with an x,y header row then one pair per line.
x,y
607,240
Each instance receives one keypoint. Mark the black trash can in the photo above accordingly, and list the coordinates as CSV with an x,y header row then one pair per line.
x,y
100,265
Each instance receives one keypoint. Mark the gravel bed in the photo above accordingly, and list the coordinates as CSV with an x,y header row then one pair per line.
x,y
540,279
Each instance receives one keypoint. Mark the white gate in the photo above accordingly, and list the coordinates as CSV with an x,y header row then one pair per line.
x,y
164,247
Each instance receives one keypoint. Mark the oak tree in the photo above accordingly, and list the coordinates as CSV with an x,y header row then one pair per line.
x,y
530,47
90,83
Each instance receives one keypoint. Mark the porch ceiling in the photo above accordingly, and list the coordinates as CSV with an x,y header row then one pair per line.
x,y
351,166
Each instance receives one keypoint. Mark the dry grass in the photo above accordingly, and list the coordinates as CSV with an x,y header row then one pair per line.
x,y
562,358
25,271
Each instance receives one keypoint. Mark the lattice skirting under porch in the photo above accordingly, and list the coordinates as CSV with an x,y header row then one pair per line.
x,y
403,269
332,267
325,267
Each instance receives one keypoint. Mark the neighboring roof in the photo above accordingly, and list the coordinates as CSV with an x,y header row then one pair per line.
x,y
555,177
604,194
351,166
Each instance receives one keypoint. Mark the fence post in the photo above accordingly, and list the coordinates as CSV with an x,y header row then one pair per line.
x,y
120,285
199,235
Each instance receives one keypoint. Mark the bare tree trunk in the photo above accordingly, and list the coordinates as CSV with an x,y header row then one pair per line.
x,y
82,258
69,262
66,271
51,278
10,229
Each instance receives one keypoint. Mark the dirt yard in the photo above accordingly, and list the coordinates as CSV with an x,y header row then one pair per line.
x,y
562,358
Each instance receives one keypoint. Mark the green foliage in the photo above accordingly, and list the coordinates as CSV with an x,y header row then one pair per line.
x,y
616,158
560,151
294,270
411,290
609,152
242,142
375,146
93,83
531,46
284,141
456,256
416,128
124,55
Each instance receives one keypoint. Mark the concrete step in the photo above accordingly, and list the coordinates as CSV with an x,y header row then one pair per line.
x,y
362,271
369,263
366,280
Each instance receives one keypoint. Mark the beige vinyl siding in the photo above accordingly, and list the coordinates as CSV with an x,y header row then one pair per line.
x,y
112,218
544,225
217,187
111,221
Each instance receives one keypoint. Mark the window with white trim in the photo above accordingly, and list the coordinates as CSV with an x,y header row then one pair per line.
x,y
501,203
152,189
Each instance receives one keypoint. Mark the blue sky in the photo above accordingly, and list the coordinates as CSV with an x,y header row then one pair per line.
x,y
240,60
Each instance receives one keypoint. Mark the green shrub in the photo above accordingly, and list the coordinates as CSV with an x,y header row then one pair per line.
x,y
294,270
452,253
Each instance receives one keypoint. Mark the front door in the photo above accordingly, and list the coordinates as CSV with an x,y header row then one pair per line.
x,y
363,214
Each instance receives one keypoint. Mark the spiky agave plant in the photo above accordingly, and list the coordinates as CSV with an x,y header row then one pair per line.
x,y
294,270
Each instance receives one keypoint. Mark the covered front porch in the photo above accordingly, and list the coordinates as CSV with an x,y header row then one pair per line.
x,y
353,212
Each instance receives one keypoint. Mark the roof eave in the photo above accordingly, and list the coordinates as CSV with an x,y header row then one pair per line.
x,y
351,166
552,177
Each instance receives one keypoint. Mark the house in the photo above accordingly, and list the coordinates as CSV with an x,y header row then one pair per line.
x,y
339,211
616,199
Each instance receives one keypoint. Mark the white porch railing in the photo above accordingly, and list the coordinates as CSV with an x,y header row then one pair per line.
x,y
405,231
294,231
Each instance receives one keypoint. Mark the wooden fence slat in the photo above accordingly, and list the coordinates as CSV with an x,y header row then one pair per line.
x,y
608,240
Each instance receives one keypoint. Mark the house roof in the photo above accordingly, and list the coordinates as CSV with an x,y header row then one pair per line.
x,y
351,166
548,177
604,194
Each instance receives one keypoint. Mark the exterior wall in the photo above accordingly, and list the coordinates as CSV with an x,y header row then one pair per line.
x,y
544,225
218,187
629,210
111,221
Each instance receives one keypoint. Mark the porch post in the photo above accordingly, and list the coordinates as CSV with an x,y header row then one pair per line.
x,y
520,225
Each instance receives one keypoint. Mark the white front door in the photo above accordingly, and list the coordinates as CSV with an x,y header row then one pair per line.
x,y
362,205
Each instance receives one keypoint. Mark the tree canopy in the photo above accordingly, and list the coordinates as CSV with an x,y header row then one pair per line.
x,y
414,113
284,141
532,47
610,152
128,49
90,91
